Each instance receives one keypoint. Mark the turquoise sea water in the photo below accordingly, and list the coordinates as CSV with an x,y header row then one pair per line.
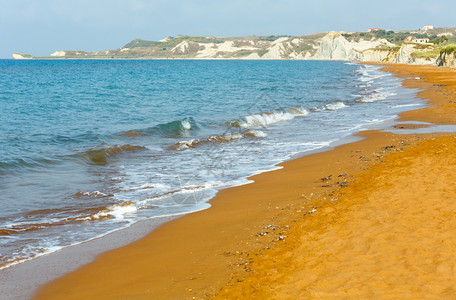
x,y
88,147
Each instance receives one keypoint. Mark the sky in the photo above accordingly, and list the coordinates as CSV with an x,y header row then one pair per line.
x,y
40,27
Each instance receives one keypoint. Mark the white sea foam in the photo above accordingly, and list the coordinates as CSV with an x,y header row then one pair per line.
x,y
330,106
266,119
376,96
94,193
369,74
335,106
186,124
256,133
147,186
299,111
182,145
29,253
228,137
406,105
114,211
225,138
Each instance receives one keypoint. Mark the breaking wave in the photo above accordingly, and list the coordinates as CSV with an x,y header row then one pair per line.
x,y
101,156
42,219
178,128
336,105
268,118
376,95
225,138
21,163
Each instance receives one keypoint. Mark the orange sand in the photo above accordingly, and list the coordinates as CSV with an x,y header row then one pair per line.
x,y
371,219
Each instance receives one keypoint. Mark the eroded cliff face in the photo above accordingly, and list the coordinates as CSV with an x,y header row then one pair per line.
x,y
405,56
334,46
447,60
21,56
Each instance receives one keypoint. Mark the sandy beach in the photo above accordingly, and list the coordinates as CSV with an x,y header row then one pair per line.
x,y
374,218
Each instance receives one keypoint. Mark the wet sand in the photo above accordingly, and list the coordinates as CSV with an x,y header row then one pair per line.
x,y
369,219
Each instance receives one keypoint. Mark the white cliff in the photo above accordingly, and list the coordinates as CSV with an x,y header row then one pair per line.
x,y
21,56
58,54
334,46
322,46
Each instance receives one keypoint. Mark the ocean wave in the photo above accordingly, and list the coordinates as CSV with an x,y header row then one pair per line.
x,y
225,138
375,96
147,186
46,218
79,138
369,74
185,195
42,219
101,156
268,118
255,133
49,219
94,194
26,253
406,105
21,163
336,105
116,211
182,145
178,128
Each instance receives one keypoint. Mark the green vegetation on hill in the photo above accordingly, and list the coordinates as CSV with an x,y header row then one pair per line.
x,y
25,55
171,42
428,55
396,37
271,38
141,43
448,49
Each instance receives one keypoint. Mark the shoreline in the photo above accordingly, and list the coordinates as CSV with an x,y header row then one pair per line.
x,y
389,234
90,249
235,230
70,258
238,247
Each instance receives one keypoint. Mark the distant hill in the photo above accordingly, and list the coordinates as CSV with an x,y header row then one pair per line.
x,y
422,46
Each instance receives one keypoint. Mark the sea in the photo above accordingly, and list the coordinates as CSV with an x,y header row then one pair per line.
x,y
88,147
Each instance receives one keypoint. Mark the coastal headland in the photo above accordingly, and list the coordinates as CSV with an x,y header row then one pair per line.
x,y
427,46
369,219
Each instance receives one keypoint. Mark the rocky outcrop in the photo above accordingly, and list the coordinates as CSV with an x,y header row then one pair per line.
x,y
447,60
336,47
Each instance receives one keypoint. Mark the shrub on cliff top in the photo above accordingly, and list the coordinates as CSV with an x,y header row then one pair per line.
x,y
448,49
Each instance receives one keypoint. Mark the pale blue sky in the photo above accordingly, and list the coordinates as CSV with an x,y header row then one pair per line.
x,y
40,27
